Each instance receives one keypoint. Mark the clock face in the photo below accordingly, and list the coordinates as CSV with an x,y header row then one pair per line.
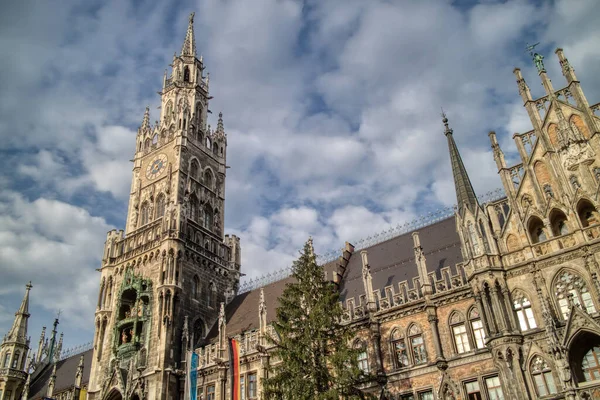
x,y
156,166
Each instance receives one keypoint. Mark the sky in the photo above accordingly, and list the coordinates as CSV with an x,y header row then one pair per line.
x,y
331,107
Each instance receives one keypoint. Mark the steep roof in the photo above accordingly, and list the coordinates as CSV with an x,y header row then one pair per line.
x,y
65,375
393,261
241,313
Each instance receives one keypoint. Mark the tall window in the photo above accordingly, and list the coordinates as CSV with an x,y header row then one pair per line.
x,y
210,392
570,285
473,238
208,179
208,217
194,208
194,167
196,287
587,213
494,388
160,206
477,327
542,376
145,217
459,331
417,345
536,230
15,361
591,364
242,388
523,309
252,388
6,362
362,358
399,350
473,391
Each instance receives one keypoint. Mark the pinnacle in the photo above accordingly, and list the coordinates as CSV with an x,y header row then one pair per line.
x,y
189,44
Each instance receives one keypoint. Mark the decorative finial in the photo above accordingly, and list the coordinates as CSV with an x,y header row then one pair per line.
x,y
146,119
220,129
447,129
191,18
28,286
538,59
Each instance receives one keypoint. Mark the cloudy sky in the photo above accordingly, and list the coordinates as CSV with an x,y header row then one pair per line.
x,y
331,109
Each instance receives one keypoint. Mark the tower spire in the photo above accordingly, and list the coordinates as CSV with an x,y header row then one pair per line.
x,y
18,331
465,195
146,121
189,44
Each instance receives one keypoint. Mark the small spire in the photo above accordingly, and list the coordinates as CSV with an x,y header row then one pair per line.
x,y
465,195
220,130
146,120
189,45
18,331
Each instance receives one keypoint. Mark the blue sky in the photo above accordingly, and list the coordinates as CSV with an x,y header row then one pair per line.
x,y
331,110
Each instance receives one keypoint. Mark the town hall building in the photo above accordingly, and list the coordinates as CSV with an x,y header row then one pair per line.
x,y
498,300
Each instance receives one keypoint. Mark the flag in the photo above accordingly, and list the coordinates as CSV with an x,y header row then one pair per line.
x,y
193,375
234,368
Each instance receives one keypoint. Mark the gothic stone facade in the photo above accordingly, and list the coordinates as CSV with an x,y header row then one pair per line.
x,y
163,278
500,301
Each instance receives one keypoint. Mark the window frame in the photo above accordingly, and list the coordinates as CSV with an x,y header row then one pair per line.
x,y
252,386
564,288
212,386
520,308
596,368
477,334
543,372
499,387
397,338
457,320
415,332
467,392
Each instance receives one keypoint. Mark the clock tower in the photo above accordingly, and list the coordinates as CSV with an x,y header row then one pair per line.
x,y
163,277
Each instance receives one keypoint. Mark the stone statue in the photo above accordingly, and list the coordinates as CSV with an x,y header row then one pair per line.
x,y
538,59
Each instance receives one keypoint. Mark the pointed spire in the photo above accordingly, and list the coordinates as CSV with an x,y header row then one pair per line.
x,y
79,374
52,343
189,45
465,195
59,347
41,345
18,331
146,121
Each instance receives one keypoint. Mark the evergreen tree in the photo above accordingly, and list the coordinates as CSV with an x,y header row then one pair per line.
x,y
313,356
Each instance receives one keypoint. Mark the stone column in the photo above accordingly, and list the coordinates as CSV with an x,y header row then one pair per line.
x,y
433,322
493,326
509,310
497,307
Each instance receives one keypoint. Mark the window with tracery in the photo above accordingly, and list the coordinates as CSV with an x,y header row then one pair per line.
x,y
417,345
477,327
362,358
473,238
542,377
459,332
571,286
15,362
522,307
194,167
160,206
145,214
399,350
6,360
591,364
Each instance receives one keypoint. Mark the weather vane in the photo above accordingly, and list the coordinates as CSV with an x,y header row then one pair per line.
x,y
538,59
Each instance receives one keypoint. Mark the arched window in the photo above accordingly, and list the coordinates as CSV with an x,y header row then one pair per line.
x,y
160,205
6,362
362,357
590,364
483,233
196,287
15,360
194,208
399,353
588,215
215,148
536,230
194,167
477,328
542,377
558,221
208,217
553,134
417,345
473,238
571,286
155,139
208,179
145,214
459,332
168,111
198,332
512,243
147,145
186,74
208,144
524,312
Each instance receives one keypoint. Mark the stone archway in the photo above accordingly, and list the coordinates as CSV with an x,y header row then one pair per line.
x,y
584,357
